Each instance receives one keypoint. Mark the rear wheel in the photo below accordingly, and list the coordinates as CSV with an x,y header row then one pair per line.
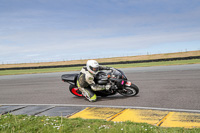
x,y
75,91
129,91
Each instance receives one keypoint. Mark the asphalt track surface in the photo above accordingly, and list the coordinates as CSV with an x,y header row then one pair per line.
x,y
171,87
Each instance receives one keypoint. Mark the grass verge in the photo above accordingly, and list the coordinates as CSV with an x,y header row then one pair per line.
x,y
113,59
45,124
65,69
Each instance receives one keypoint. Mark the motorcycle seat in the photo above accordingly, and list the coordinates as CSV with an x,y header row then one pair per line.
x,y
70,77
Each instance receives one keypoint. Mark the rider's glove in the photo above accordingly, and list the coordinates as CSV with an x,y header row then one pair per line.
x,y
109,68
108,87
112,69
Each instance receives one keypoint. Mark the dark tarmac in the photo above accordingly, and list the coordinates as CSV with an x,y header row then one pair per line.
x,y
171,87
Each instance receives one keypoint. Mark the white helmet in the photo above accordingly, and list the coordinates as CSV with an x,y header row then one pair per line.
x,y
92,66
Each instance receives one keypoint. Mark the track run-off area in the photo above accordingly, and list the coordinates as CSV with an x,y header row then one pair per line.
x,y
168,94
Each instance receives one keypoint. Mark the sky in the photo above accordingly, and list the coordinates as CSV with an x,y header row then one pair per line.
x,y
34,31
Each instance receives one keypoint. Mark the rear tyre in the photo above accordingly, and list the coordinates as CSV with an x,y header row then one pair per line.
x,y
75,91
129,91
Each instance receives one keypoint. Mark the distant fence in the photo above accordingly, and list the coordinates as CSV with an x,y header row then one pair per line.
x,y
106,63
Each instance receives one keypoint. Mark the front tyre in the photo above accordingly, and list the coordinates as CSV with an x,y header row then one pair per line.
x,y
129,91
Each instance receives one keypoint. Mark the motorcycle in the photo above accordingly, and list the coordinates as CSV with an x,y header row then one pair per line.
x,y
115,77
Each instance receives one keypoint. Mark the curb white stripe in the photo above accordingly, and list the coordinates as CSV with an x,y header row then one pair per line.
x,y
107,106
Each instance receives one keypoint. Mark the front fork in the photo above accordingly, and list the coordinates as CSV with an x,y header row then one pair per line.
x,y
124,85
128,83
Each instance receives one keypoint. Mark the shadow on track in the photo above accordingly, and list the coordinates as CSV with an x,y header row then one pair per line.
x,y
108,98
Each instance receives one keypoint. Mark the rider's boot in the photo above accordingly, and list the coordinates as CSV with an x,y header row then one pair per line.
x,y
88,94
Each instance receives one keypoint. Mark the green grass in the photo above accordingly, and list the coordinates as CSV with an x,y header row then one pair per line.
x,y
50,70
162,63
32,71
44,124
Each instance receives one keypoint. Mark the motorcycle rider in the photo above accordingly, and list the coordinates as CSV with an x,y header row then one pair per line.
x,y
86,80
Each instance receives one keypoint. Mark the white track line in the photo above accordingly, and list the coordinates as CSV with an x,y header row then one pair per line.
x,y
107,106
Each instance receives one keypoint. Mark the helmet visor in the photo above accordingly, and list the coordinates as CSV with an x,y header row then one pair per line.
x,y
95,69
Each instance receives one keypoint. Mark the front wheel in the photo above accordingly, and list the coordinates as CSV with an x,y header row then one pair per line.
x,y
129,91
